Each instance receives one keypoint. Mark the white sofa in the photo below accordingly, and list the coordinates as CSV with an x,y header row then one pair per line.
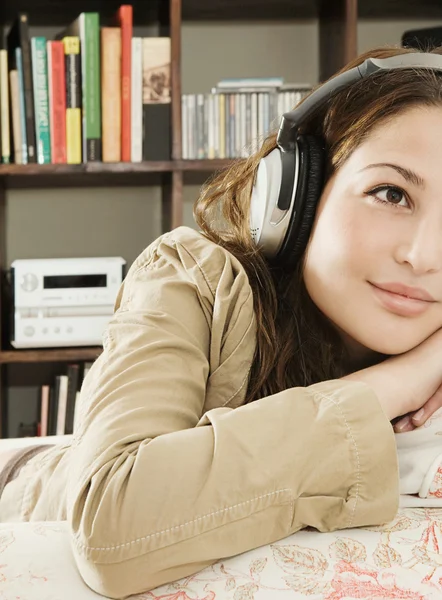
x,y
402,559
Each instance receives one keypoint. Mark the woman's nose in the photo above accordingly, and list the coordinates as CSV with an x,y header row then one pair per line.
x,y
422,248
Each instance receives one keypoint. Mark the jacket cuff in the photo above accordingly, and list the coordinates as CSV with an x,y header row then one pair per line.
x,y
374,497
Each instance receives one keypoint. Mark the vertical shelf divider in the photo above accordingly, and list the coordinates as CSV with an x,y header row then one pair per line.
x,y
172,183
338,28
4,309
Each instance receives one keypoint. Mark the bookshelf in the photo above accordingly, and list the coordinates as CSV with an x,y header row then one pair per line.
x,y
337,26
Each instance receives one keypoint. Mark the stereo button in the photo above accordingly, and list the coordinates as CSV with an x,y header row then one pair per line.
x,y
29,331
29,282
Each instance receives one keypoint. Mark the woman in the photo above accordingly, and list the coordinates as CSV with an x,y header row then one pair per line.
x,y
238,400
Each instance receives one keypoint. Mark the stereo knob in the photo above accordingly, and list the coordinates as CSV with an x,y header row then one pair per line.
x,y
29,331
29,282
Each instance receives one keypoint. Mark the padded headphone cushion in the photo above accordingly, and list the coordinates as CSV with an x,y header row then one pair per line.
x,y
308,192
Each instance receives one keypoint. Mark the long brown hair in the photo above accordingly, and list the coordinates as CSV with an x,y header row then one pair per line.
x,y
296,345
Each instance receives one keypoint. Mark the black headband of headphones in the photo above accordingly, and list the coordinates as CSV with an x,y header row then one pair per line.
x,y
290,121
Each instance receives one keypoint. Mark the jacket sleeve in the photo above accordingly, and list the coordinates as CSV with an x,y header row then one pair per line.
x,y
158,490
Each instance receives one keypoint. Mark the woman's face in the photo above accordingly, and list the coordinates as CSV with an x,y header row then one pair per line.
x,y
379,225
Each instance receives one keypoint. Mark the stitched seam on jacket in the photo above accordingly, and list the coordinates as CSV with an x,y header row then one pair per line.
x,y
148,264
248,371
198,264
358,462
216,512
238,390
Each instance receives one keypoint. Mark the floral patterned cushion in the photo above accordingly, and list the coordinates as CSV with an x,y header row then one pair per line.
x,y
402,559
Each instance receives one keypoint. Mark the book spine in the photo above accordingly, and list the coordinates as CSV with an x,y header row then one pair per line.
x,y
156,98
191,113
91,86
125,18
221,122
41,99
44,410
200,125
57,101
184,128
28,88
111,92
137,100
73,99
62,404
73,375
16,124
21,90
4,108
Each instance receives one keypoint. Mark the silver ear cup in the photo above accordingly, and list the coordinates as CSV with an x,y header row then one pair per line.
x,y
268,223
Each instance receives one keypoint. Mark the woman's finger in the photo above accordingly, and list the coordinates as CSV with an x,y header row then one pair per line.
x,y
405,424
429,408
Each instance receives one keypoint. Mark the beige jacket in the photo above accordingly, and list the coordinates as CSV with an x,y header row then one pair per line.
x,y
167,471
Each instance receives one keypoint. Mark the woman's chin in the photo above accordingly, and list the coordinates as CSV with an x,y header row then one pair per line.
x,y
392,346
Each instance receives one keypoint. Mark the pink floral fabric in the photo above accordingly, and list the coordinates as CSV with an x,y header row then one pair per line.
x,y
402,559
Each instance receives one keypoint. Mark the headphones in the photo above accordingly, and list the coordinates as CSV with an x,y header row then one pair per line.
x,y
289,180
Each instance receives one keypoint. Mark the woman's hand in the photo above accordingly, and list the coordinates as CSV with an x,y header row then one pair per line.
x,y
418,418
408,383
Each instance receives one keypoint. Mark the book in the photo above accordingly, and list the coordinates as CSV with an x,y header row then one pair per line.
x,y
87,28
137,100
4,108
41,99
62,389
111,93
73,377
156,98
17,142
71,46
44,410
124,20
57,101
18,37
22,107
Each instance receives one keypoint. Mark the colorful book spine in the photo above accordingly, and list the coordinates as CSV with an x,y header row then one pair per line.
x,y
111,93
73,99
4,108
87,28
41,99
137,100
57,101
21,90
124,19
91,84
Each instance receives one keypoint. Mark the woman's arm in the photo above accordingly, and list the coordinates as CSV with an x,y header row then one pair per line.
x,y
157,491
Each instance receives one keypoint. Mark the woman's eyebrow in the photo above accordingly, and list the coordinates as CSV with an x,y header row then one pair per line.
x,y
407,174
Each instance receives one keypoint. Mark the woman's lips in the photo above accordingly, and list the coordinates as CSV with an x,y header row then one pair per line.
x,y
400,305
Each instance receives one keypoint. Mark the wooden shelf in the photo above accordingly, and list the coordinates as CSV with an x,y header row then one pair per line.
x,y
101,174
202,10
62,12
49,355
400,9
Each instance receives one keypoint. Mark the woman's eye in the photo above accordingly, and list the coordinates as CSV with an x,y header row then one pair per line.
x,y
389,195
